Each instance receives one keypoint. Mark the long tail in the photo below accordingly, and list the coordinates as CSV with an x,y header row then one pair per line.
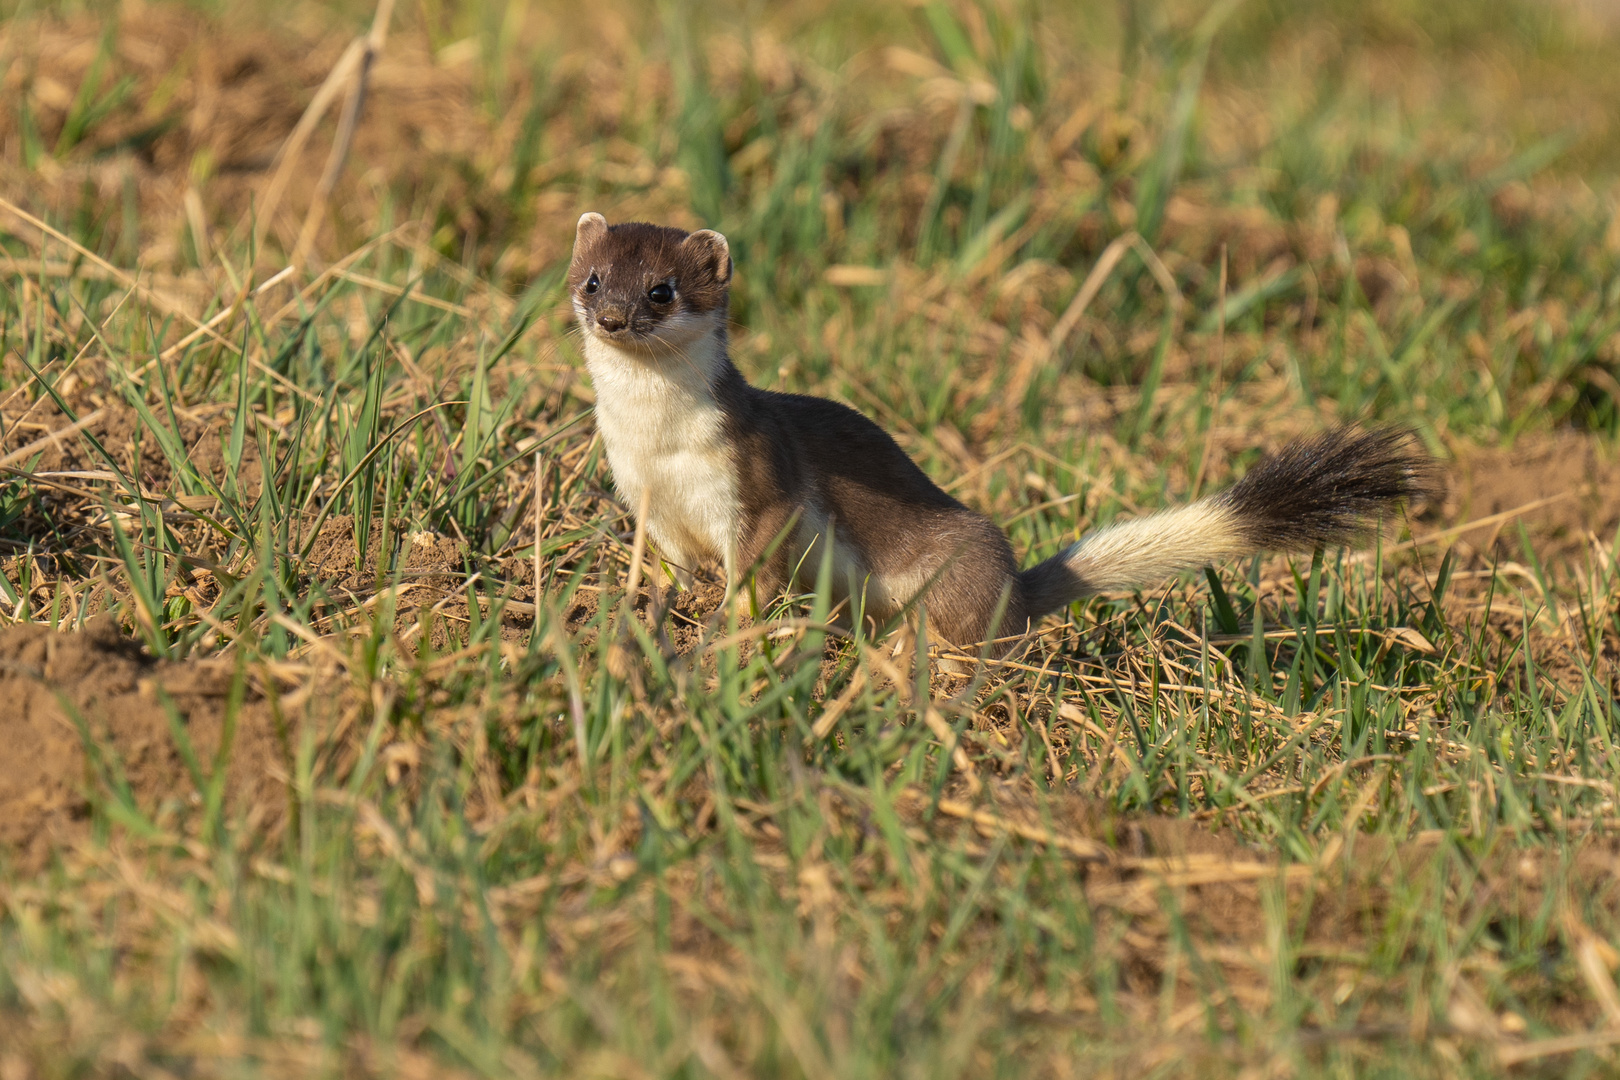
x,y
1324,491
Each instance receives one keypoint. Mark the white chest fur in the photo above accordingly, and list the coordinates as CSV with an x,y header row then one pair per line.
x,y
665,434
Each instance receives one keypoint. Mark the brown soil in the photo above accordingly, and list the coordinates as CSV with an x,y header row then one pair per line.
x,y
37,424
221,126
432,570
427,559
51,683
212,101
1566,484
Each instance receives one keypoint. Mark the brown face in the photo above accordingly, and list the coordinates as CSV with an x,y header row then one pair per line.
x,y
648,286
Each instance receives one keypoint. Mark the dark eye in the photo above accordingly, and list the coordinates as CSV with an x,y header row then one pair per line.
x,y
592,284
662,293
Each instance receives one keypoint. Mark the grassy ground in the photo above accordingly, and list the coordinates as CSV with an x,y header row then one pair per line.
x,y
361,759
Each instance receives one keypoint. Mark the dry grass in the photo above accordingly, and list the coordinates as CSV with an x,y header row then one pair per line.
x,y
359,755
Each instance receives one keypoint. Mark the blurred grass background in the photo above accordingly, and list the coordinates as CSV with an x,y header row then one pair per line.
x,y
317,417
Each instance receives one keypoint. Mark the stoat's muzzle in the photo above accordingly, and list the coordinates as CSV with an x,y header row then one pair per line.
x,y
613,321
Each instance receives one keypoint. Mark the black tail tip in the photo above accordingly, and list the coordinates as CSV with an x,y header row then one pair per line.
x,y
1331,489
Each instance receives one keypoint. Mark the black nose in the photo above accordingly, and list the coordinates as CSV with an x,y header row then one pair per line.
x,y
610,322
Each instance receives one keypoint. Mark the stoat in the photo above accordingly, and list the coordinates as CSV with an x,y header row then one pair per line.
x,y
754,479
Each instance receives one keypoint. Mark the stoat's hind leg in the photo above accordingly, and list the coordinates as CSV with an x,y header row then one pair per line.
x,y
673,562
975,597
729,568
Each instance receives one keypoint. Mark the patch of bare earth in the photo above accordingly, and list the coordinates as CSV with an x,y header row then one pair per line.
x,y
62,692
1564,487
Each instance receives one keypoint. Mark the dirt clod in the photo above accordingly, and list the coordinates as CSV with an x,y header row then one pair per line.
x,y
1562,486
58,688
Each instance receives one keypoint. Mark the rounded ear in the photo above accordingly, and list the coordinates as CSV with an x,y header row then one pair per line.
x,y
715,251
592,227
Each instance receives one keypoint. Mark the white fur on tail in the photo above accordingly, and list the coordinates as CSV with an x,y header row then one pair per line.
x,y
1143,551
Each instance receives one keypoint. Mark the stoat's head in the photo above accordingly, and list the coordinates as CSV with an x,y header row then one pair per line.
x,y
646,287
